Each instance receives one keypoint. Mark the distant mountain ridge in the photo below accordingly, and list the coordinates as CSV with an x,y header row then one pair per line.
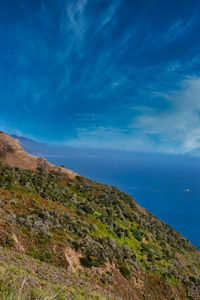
x,y
12,153
33,147
40,149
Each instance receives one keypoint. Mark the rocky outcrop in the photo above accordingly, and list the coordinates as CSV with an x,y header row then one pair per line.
x,y
12,154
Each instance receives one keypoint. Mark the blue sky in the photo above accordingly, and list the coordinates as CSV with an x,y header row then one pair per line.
x,y
114,74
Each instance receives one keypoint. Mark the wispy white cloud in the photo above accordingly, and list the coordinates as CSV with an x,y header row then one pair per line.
x,y
73,26
75,13
107,137
176,30
175,129
108,15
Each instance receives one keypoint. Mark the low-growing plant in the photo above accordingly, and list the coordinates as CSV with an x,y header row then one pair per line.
x,y
41,254
89,261
124,270
10,241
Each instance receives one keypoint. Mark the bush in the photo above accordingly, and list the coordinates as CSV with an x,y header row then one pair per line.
x,y
137,233
10,242
124,270
41,254
89,261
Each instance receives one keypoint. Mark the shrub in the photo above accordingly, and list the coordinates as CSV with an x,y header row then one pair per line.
x,y
41,254
89,261
10,242
124,270
137,233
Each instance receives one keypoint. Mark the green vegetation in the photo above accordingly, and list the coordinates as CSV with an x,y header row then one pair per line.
x,y
41,254
124,270
10,241
20,283
50,212
90,261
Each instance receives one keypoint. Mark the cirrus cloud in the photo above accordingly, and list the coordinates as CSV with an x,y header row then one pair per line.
x,y
173,130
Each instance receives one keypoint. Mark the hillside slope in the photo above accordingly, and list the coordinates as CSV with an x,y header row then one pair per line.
x,y
69,237
12,153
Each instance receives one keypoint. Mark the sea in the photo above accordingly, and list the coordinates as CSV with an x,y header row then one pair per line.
x,y
166,185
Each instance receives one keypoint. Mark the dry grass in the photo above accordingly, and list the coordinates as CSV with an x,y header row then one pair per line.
x,y
24,278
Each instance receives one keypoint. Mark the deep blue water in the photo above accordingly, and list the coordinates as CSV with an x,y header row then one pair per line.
x,y
157,182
